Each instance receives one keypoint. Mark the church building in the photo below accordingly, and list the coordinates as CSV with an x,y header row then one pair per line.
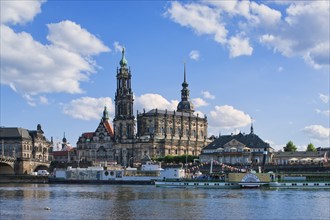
x,y
156,133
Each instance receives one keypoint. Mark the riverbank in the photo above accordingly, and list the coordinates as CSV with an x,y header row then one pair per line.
x,y
23,179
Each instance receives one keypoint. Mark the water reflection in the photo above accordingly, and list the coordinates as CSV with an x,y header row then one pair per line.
x,y
149,202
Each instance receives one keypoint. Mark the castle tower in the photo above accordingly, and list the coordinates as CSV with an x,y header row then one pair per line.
x,y
124,118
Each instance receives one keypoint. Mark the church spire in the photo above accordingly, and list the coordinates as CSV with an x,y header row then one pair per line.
x,y
185,105
251,130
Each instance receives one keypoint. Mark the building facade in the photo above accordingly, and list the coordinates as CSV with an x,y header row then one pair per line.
x,y
98,145
156,133
25,144
239,149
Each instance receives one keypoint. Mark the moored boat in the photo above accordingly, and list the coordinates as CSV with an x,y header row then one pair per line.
x,y
301,181
115,175
230,181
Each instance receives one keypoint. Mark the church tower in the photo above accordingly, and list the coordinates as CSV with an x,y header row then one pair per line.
x,y
124,117
185,105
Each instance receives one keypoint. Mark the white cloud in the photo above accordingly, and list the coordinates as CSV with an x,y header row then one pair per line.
x,y
295,34
299,34
30,67
324,98
194,55
118,47
239,46
228,117
208,95
317,132
151,101
19,12
198,102
64,35
27,63
202,19
88,108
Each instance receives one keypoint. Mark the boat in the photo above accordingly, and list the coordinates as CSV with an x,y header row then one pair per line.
x,y
301,181
229,181
147,175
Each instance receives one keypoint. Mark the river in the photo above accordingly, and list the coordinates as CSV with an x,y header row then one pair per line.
x,y
30,201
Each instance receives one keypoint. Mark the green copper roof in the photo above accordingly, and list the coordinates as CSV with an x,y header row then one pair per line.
x,y
123,61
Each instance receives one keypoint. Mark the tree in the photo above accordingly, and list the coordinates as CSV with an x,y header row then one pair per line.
x,y
290,147
310,147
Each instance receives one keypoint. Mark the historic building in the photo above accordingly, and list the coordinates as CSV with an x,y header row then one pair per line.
x,y
237,149
155,133
97,145
25,144
162,132
24,151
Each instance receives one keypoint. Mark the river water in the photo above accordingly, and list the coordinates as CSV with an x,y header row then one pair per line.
x,y
28,201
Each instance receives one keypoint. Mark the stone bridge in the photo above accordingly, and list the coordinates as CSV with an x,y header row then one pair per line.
x,y
11,165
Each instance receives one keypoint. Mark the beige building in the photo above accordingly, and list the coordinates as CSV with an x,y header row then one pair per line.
x,y
155,133
239,149
25,144
98,145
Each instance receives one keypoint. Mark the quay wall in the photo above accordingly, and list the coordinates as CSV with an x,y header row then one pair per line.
x,y
23,179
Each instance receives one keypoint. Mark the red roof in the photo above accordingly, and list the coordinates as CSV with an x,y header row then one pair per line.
x,y
107,125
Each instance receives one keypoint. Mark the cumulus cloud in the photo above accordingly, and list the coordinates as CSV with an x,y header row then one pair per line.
x,y
317,132
31,68
239,46
201,18
296,33
88,108
64,35
198,102
194,55
19,12
207,95
228,117
151,101
299,34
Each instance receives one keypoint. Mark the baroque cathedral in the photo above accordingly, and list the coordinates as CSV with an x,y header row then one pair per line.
x,y
156,133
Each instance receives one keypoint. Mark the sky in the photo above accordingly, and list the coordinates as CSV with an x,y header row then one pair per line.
x,y
260,62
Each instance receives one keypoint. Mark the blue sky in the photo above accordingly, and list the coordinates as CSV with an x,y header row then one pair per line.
x,y
260,61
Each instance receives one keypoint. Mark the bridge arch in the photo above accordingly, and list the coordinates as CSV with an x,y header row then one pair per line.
x,y
41,167
5,168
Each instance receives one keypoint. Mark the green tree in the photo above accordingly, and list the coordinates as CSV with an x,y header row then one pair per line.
x,y
290,147
310,147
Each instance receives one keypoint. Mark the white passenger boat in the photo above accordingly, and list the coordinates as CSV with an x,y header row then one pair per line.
x,y
232,180
305,182
148,173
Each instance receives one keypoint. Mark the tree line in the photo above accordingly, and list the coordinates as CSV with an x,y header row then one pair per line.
x,y
290,147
